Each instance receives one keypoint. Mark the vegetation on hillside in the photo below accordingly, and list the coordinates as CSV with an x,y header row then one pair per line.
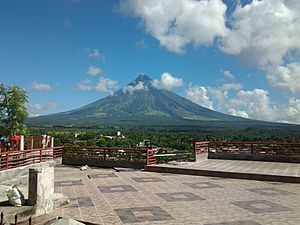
x,y
167,137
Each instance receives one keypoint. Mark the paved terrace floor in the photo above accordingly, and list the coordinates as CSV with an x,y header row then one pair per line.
x,y
138,197
104,196
238,166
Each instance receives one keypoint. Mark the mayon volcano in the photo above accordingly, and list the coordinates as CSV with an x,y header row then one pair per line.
x,y
140,103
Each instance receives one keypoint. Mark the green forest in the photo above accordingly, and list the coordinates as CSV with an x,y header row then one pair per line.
x,y
168,137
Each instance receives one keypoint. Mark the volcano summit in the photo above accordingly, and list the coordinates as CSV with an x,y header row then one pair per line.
x,y
140,103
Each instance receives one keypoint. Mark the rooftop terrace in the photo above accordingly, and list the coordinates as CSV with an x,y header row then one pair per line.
x,y
104,196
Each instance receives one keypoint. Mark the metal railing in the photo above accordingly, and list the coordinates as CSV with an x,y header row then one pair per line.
x,y
200,147
151,157
255,148
135,155
13,159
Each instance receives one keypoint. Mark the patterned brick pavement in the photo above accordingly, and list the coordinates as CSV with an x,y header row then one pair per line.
x,y
136,197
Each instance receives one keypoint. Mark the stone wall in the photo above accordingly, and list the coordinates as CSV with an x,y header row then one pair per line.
x,y
102,163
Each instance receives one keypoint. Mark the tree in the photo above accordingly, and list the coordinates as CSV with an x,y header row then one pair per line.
x,y
13,112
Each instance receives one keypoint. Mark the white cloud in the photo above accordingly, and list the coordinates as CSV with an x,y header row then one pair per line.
x,y
291,113
239,113
94,54
40,86
255,103
94,71
106,85
85,85
266,34
231,86
198,95
261,33
264,31
103,85
228,75
220,95
286,77
36,109
177,23
168,82
130,89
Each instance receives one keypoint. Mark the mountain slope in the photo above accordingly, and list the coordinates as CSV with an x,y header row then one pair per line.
x,y
147,105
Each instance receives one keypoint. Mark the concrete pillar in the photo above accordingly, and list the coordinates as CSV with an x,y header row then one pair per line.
x,y
52,145
41,189
194,152
21,142
52,142
44,140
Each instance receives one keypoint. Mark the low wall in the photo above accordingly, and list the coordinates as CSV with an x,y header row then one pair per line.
x,y
254,157
102,163
24,170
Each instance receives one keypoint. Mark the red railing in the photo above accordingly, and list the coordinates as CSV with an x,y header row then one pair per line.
x,y
13,159
254,148
200,147
136,155
151,158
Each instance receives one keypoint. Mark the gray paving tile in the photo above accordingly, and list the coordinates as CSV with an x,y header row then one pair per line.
x,y
109,175
261,206
116,188
147,179
77,182
73,203
85,201
216,178
270,191
143,214
203,185
179,196
68,183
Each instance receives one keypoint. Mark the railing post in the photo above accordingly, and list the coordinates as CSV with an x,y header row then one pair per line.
x,y
6,160
147,157
104,156
16,219
1,218
31,143
194,151
41,155
52,147
21,142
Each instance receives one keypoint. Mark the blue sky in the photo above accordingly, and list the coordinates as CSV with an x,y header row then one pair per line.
x,y
236,57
